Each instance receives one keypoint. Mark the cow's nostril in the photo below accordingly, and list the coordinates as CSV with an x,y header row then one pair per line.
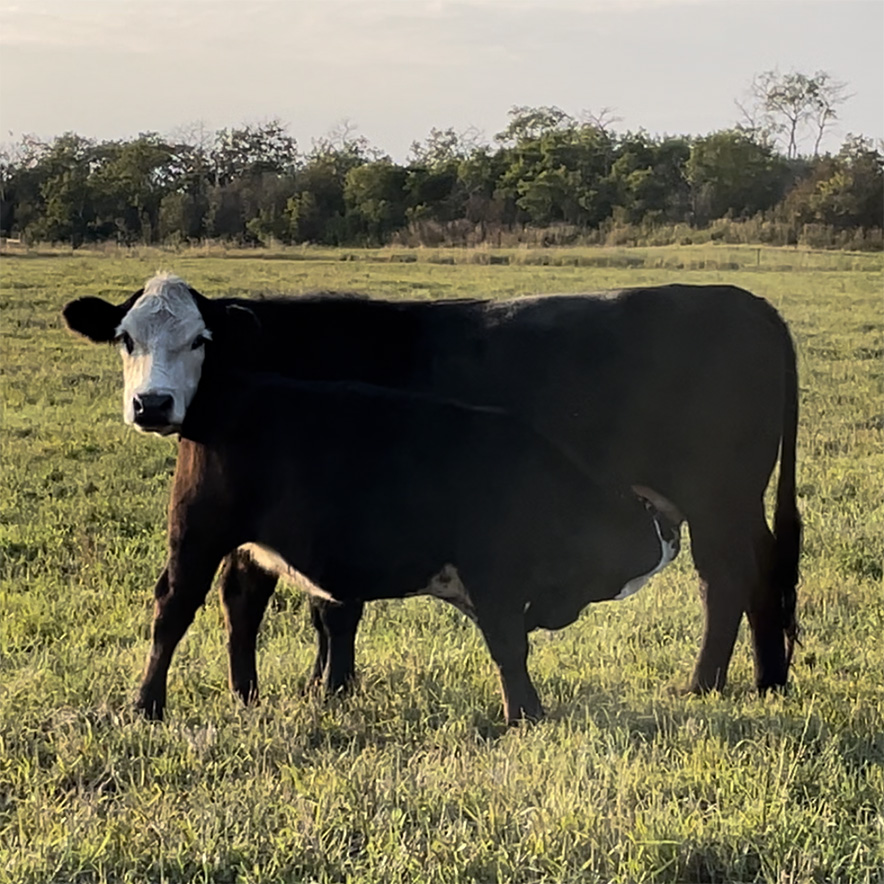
x,y
152,409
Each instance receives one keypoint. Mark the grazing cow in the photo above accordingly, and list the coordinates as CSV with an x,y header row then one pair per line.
x,y
377,493
689,390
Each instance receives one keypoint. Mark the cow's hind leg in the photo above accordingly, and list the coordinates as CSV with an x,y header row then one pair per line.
x,y
179,592
731,552
336,625
246,589
507,640
766,614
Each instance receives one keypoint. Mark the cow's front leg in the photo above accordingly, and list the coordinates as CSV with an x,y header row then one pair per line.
x,y
320,661
246,589
507,641
336,625
179,592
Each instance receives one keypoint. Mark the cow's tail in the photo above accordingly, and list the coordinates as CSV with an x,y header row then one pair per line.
x,y
787,521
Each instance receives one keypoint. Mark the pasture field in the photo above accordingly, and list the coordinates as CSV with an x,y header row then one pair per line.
x,y
413,778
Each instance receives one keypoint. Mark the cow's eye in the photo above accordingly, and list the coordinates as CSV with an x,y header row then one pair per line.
x,y
198,342
125,339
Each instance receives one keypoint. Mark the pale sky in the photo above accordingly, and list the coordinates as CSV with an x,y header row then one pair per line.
x,y
396,68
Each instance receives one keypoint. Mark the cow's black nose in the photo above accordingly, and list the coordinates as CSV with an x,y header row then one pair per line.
x,y
152,409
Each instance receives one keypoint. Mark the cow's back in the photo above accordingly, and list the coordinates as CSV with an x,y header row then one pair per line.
x,y
676,387
651,386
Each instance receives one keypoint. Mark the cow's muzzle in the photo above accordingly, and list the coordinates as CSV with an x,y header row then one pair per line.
x,y
153,411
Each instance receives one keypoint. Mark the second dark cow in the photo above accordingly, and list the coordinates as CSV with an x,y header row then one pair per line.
x,y
376,493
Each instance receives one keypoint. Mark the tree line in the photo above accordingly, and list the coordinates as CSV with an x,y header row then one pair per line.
x,y
546,170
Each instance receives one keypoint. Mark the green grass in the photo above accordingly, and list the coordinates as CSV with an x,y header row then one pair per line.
x,y
413,778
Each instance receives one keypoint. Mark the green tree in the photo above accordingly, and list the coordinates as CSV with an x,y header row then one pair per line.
x,y
21,200
479,176
443,148
252,151
182,216
130,183
225,217
434,193
560,174
732,174
375,198
434,189
67,209
530,123
265,202
649,178
317,209
845,191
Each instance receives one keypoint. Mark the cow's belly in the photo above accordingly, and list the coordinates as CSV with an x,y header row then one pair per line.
x,y
554,608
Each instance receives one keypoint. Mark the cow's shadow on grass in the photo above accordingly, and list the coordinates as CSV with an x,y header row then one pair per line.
x,y
733,717
738,715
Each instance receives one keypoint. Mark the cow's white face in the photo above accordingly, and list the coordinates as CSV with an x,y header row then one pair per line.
x,y
161,340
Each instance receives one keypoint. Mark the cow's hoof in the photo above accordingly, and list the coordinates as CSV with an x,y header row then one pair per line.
x,y
245,686
525,717
150,710
685,690
329,689
340,687
339,681
248,696
700,687
312,686
777,688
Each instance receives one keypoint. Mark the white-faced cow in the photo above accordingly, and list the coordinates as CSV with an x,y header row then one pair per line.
x,y
688,390
378,493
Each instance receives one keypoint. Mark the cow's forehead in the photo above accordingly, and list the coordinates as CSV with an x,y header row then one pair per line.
x,y
166,309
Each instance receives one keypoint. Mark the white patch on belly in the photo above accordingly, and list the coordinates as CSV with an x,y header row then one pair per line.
x,y
669,550
447,585
270,560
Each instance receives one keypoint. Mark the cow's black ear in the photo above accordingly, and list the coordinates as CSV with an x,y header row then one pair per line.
x,y
94,318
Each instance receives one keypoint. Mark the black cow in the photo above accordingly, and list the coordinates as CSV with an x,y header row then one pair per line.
x,y
689,390
374,493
